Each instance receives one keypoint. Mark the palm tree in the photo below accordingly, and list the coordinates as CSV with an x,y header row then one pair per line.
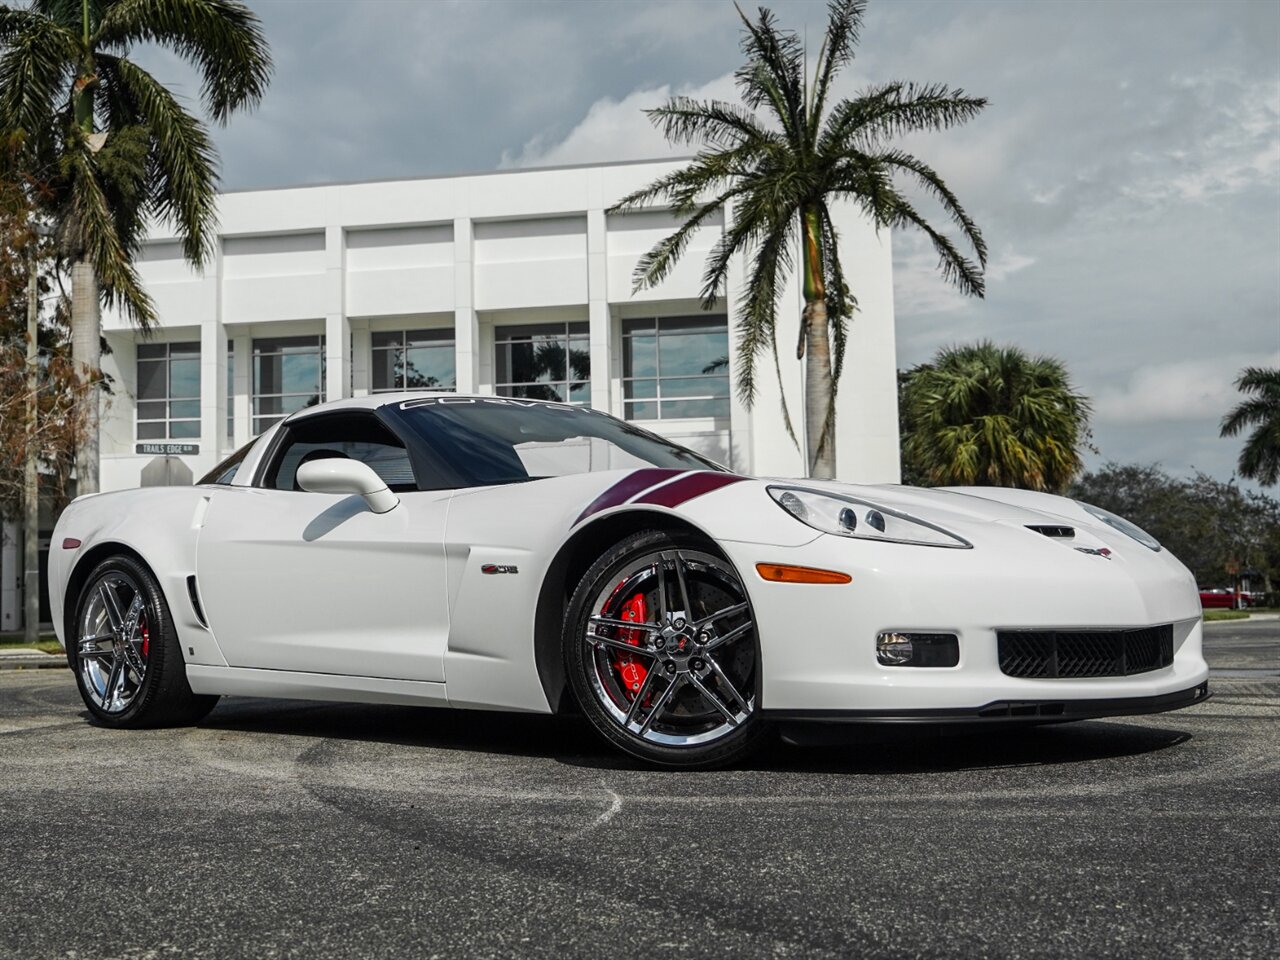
x,y
993,416
777,173
1260,458
118,147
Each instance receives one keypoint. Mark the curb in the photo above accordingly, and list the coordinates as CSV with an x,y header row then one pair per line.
x,y
46,661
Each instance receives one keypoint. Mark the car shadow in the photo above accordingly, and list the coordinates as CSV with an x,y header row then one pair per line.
x,y
570,741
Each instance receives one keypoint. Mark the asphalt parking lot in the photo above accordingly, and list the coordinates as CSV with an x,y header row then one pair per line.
x,y
285,829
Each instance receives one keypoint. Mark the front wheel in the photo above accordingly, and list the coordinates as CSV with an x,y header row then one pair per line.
x,y
124,651
661,650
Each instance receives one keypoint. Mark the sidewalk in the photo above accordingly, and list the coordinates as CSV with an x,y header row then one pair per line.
x,y
26,658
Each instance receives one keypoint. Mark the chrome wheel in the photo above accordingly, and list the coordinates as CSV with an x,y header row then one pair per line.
x,y
115,641
671,645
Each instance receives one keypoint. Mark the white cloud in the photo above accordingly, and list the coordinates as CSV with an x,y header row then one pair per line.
x,y
616,130
1179,391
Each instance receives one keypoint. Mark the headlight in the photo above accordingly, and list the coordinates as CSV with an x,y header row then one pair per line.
x,y
850,517
1131,530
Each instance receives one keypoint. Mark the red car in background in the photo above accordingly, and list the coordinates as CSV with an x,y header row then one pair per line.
x,y
1226,597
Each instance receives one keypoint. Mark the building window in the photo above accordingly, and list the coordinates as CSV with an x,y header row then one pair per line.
x,y
545,361
674,367
288,374
168,391
413,360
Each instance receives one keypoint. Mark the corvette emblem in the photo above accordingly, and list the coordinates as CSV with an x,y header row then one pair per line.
x,y
492,568
1102,552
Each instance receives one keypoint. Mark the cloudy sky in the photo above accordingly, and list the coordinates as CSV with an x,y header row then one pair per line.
x,y
1126,174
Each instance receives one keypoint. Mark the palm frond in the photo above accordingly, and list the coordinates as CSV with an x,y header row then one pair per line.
x,y
844,29
841,303
893,109
223,38
90,208
684,120
186,162
773,73
652,268
953,265
933,184
33,69
706,173
758,320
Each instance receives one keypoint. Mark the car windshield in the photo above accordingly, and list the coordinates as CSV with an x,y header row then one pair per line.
x,y
482,441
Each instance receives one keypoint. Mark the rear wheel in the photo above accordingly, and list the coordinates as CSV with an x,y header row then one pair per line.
x,y
661,649
125,653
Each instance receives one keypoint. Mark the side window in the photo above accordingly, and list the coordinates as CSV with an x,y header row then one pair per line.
x,y
225,472
358,436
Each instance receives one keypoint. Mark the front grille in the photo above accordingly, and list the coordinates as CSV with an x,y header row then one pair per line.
x,y
1093,653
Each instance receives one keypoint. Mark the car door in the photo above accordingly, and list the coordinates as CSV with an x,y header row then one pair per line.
x,y
318,583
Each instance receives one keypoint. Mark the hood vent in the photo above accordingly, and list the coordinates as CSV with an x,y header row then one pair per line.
x,y
1051,530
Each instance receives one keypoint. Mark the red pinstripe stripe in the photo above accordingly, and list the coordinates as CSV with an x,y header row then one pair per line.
x,y
626,488
686,488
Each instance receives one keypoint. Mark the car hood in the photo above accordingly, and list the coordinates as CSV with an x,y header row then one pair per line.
x,y
943,506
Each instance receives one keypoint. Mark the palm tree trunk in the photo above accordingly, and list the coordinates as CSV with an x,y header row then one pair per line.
x,y
86,333
815,346
819,418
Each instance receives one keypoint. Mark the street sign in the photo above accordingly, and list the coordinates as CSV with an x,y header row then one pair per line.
x,y
168,449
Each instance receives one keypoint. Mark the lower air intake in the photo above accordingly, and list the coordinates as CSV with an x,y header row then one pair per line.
x,y
1059,654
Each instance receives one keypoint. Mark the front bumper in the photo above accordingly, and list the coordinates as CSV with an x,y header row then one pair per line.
x,y
1006,711
817,641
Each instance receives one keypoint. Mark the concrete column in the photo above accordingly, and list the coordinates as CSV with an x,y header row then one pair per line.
x,y
598,311
337,331
213,367
361,354
242,404
466,327
213,388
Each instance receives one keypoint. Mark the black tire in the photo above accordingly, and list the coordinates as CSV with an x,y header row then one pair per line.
x,y
144,644
719,661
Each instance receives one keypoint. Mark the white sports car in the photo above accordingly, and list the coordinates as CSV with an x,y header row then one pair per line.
x,y
476,551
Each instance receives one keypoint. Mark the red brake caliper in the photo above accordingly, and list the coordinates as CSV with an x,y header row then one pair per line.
x,y
628,665
146,639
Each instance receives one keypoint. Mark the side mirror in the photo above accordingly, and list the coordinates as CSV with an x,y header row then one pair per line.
x,y
342,475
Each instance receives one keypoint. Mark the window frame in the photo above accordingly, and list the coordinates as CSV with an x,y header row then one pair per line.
x,y
256,427
569,335
193,352
436,337
658,378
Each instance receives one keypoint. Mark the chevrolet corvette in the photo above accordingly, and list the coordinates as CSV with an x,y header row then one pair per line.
x,y
511,554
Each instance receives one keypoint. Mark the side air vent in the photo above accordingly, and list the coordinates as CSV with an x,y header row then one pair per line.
x,y
195,601
1049,530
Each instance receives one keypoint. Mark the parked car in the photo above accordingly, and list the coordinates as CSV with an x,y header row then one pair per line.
x,y
483,552
1225,598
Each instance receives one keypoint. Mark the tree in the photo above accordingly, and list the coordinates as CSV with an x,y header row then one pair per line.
x,y
777,174
59,423
118,147
1207,524
1260,458
993,416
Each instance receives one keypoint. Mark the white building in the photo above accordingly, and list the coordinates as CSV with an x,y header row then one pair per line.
x,y
515,283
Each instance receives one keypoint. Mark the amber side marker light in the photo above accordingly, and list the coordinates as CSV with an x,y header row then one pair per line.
x,y
785,573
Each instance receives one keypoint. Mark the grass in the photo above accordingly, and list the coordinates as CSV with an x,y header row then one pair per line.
x,y
1211,615
48,643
